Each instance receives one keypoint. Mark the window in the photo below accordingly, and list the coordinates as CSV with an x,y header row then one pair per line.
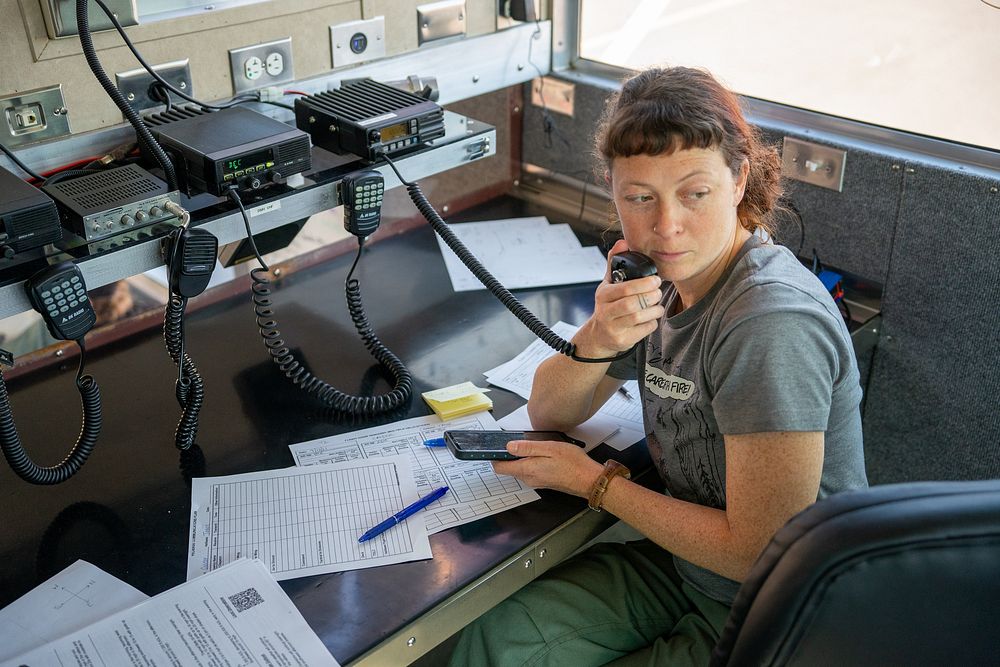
x,y
923,66
157,10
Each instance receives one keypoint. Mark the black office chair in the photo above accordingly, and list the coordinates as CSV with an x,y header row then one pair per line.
x,y
902,574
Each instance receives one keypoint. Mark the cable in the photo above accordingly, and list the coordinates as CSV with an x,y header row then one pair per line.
x,y
504,295
142,132
25,168
239,99
342,403
189,388
276,104
14,451
787,203
69,174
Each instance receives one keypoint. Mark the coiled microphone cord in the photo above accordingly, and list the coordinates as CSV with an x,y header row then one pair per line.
x,y
504,295
363,406
18,458
189,388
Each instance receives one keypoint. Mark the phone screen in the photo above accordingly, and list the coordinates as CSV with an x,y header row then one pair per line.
x,y
492,445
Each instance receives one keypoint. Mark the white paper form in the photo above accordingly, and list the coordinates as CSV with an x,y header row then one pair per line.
x,y
523,252
304,521
517,374
474,491
73,599
237,615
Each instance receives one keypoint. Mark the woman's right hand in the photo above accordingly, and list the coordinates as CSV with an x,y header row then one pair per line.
x,y
624,313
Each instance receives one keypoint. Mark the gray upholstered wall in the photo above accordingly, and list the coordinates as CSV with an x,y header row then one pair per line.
x,y
929,233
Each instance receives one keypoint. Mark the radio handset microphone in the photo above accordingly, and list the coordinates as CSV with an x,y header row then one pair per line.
x,y
59,293
361,193
190,254
630,265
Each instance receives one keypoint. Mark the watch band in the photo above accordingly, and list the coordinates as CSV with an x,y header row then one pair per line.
x,y
611,470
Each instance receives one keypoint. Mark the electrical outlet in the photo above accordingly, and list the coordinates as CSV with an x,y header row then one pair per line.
x,y
137,84
357,41
261,65
33,115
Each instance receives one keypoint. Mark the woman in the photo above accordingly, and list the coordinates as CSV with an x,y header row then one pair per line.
x,y
749,385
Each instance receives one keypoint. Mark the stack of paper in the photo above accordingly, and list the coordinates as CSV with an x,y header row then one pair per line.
x,y
523,252
457,400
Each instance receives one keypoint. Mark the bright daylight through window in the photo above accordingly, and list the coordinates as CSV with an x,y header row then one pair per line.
x,y
924,66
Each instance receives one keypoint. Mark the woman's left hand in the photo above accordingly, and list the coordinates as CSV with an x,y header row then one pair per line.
x,y
549,464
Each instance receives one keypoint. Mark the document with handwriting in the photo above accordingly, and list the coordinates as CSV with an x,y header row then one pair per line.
x,y
237,615
475,490
76,597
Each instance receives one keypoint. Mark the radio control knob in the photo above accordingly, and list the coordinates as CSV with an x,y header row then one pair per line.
x,y
252,182
7,251
141,216
127,220
156,211
110,225
275,177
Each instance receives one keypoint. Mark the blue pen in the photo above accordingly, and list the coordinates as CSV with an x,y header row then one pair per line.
x,y
403,514
434,442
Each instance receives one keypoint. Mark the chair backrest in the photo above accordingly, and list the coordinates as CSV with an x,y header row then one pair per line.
x,y
901,574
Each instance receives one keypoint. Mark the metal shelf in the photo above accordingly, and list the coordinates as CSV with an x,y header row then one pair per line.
x,y
465,140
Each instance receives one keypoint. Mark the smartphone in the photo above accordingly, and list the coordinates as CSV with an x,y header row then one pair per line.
x,y
492,445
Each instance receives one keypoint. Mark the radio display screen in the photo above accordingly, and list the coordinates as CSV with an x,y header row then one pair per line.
x,y
241,163
393,132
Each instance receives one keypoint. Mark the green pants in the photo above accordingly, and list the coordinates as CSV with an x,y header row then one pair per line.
x,y
622,604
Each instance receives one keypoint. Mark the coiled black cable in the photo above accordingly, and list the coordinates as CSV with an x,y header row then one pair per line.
x,y
18,458
504,295
141,131
364,406
189,388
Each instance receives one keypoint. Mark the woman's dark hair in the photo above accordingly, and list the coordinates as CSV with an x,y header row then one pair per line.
x,y
661,110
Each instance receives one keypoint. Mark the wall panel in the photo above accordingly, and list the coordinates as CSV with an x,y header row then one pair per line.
x,y
32,60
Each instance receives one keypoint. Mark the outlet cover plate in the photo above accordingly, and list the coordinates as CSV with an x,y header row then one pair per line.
x,y
134,84
45,107
553,94
239,57
812,163
438,20
357,41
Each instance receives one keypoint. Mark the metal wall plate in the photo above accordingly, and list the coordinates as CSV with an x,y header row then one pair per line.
x,y
262,65
553,94
813,163
135,84
357,41
60,16
34,115
438,20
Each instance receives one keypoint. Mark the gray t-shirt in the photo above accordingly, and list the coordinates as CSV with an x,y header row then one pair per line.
x,y
765,350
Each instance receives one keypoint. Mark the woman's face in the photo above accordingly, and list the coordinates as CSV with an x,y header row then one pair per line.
x,y
680,210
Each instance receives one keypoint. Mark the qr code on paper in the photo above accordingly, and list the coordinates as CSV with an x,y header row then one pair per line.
x,y
246,599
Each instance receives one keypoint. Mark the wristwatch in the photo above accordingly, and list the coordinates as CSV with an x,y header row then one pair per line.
x,y
611,470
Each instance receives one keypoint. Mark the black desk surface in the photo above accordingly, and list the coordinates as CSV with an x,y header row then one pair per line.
x,y
127,510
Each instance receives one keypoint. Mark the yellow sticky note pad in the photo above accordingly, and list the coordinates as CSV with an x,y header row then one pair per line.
x,y
457,400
